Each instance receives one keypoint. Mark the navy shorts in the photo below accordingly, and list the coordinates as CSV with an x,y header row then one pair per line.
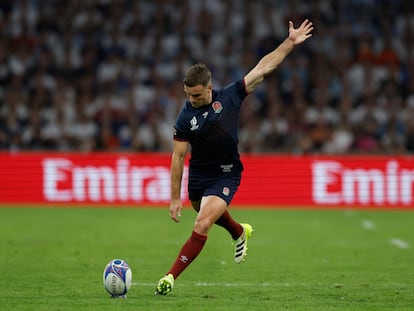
x,y
224,187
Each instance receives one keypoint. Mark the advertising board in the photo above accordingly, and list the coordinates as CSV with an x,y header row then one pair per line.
x,y
268,180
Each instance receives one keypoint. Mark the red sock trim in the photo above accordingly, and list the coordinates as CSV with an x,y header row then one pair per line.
x,y
198,237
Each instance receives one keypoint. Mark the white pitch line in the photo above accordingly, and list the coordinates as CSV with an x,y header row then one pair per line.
x,y
399,243
241,284
368,224
207,284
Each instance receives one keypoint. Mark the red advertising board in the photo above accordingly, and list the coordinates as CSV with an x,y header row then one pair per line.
x,y
268,180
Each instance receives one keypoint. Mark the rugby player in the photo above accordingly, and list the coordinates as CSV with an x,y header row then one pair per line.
x,y
208,123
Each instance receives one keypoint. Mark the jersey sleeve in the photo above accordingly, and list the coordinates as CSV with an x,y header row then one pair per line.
x,y
180,135
237,90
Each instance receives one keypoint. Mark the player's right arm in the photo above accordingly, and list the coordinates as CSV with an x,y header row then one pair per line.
x,y
177,168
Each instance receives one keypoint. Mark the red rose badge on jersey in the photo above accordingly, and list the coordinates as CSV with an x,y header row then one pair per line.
x,y
226,191
217,107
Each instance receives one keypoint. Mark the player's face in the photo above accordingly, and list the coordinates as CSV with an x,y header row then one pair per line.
x,y
198,95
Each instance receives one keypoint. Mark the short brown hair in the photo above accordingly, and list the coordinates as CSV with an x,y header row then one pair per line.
x,y
197,74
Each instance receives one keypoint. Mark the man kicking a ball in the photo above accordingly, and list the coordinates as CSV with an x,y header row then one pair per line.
x,y
209,123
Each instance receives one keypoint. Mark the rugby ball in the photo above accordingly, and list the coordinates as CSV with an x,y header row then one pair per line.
x,y
117,278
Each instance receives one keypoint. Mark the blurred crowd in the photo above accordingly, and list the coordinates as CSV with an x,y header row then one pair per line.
x,y
93,75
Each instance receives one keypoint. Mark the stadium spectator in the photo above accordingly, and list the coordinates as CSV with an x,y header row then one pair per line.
x,y
134,51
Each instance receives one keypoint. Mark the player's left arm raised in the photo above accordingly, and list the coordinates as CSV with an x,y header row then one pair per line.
x,y
271,61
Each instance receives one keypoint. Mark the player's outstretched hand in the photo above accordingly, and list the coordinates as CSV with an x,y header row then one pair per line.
x,y
300,34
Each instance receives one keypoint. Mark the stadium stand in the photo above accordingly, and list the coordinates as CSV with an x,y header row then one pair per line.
x,y
94,75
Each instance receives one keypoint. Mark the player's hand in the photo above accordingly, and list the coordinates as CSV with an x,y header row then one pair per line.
x,y
299,35
175,210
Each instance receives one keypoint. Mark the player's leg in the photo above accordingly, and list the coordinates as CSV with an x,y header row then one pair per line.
x,y
239,232
226,221
211,207
226,189
189,251
210,200
233,227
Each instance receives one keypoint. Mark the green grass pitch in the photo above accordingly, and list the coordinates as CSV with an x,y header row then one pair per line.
x,y
53,259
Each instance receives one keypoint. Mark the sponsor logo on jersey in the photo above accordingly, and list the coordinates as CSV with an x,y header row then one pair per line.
x,y
217,107
226,168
